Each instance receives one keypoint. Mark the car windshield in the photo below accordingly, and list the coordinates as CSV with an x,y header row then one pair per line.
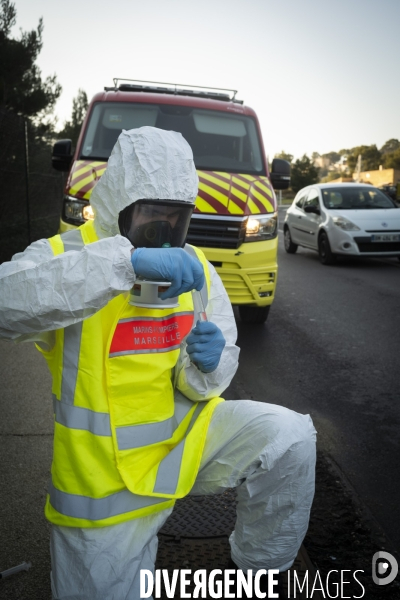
x,y
355,198
220,141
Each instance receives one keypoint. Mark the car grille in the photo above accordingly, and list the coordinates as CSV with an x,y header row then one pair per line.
x,y
365,245
216,232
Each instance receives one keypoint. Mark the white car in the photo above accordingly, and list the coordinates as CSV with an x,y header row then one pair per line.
x,y
347,219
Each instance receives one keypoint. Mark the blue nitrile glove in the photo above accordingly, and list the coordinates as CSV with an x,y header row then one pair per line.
x,y
204,346
169,264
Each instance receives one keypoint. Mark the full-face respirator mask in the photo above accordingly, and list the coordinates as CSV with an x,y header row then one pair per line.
x,y
155,224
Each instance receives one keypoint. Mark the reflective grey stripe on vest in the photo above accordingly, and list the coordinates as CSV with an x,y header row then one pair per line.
x,y
94,509
72,240
72,346
136,436
204,290
170,467
76,417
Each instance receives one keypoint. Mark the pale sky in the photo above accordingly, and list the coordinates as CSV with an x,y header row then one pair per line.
x,y
321,74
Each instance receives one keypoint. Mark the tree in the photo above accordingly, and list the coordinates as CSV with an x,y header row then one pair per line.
x,y
284,156
22,89
8,17
303,173
370,156
333,157
391,160
72,128
330,176
390,146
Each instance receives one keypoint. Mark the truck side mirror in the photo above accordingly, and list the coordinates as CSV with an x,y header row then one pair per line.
x,y
62,155
280,174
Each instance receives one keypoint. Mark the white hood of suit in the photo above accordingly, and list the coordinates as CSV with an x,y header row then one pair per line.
x,y
144,163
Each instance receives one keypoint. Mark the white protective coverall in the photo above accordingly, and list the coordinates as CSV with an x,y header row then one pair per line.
x,y
266,451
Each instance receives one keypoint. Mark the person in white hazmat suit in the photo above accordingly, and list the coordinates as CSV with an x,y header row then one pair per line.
x,y
138,417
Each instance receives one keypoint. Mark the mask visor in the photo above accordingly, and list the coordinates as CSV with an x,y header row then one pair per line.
x,y
156,223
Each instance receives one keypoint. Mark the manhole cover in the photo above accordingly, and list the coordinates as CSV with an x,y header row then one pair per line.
x,y
193,554
202,516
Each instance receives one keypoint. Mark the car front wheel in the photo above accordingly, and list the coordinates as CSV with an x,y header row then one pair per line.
x,y
326,255
253,314
290,247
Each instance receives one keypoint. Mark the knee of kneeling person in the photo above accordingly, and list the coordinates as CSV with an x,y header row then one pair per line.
x,y
304,438
293,424
275,430
308,431
297,430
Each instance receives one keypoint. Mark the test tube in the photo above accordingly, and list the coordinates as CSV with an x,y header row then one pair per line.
x,y
198,306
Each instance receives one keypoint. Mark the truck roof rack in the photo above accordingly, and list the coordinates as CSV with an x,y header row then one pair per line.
x,y
177,89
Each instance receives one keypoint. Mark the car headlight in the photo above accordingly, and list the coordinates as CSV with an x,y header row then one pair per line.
x,y
345,224
261,227
77,210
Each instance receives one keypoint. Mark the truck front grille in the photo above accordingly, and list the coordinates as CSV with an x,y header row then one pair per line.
x,y
216,232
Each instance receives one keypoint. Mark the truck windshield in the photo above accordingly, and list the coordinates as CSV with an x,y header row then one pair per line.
x,y
219,141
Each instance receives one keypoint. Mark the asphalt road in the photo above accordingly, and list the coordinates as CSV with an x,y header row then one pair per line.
x,y
330,348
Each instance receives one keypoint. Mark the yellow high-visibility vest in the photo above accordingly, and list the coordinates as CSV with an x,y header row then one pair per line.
x,y
126,444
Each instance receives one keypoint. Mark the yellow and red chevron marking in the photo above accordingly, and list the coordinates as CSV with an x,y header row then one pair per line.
x,y
219,192
234,194
84,176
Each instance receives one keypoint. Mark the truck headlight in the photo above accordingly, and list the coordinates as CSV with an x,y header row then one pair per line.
x,y
77,210
261,227
345,224
88,213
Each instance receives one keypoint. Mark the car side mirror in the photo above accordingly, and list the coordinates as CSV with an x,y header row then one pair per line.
x,y
280,174
62,155
312,209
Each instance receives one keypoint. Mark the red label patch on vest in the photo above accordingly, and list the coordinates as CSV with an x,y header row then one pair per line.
x,y
149,334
